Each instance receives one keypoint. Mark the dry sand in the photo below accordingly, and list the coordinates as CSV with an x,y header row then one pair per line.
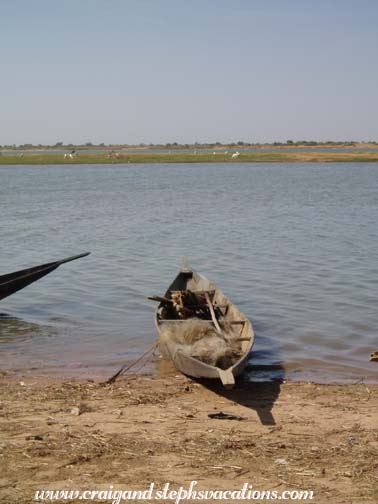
x,y
80,435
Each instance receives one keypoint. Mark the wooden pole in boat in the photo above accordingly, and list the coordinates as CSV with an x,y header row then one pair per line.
x,y
160,299
214,318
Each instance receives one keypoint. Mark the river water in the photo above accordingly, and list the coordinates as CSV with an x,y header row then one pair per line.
x,y
293,245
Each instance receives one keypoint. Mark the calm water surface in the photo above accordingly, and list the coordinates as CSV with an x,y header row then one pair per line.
x,y
293,245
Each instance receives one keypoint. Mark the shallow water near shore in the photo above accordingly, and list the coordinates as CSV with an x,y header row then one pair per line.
x,y
293,245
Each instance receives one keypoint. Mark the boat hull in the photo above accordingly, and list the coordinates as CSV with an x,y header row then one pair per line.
x,y
191,280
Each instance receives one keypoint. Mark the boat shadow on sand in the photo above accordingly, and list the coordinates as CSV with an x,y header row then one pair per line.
x,y
259,386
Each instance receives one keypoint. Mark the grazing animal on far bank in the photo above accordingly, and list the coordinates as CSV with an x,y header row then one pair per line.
x,y
70,155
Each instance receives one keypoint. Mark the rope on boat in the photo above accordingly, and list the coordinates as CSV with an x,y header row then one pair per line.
x,y
126,367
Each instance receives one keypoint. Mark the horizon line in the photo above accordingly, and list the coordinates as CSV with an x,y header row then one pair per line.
x,y
289,143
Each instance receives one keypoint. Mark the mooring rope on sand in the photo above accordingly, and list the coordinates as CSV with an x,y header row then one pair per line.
x,y
127,367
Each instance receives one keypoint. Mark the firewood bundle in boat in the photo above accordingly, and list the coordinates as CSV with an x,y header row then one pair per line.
x,y
189,304
201,331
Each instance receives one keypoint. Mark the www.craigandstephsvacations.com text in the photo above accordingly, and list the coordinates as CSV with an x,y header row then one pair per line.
x,y
166,493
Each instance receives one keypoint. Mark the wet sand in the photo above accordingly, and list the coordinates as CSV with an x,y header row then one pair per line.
x,y
66,434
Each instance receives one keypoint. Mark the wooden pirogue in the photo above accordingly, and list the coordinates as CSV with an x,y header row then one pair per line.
x,y
13,282
204,300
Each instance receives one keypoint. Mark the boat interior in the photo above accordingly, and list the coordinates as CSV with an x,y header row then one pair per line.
x,y
207,303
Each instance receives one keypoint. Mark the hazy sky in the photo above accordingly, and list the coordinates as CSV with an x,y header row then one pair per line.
x,y
134,71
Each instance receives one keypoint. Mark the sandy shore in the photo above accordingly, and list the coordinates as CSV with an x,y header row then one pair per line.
x,y
64,434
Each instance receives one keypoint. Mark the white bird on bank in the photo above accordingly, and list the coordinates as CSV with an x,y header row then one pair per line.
x,y
235,154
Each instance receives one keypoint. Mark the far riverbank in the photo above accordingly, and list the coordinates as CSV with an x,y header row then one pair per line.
x,y
185,157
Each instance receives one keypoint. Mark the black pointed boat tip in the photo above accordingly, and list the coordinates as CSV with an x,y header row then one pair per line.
x,y
73,258
13,282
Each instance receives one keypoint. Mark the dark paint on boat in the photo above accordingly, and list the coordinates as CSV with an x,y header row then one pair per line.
x,y
13,282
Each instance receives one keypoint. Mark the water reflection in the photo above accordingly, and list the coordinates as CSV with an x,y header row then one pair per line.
x,y
266,362
14,330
